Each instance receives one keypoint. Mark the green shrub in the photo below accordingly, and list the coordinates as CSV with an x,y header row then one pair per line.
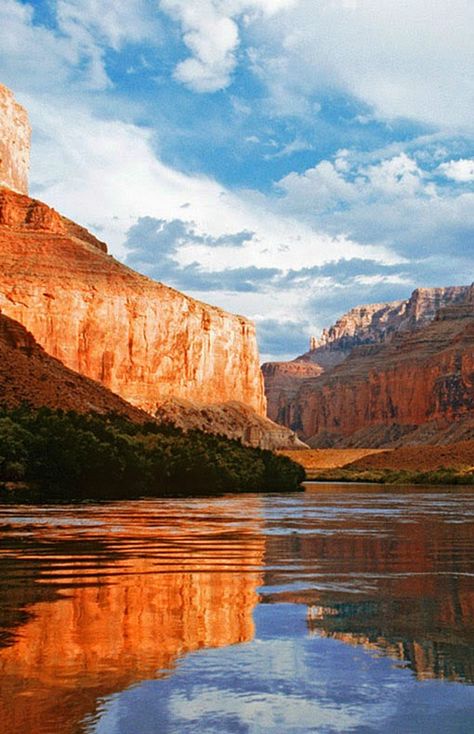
x,y
71,455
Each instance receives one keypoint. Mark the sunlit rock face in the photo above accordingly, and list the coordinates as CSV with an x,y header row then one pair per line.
x,y
130,622
14,143
29,375
404,366
141,339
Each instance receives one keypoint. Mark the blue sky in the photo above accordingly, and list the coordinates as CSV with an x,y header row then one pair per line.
x,y
284,159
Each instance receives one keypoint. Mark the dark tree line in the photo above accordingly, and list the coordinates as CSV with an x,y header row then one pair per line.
x,y
67,455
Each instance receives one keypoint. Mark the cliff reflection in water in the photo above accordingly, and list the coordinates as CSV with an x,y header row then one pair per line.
x,y
113,596
99,602
392,573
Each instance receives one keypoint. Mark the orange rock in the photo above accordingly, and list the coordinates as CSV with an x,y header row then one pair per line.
x,y
418,379
29,375
14,143
141,339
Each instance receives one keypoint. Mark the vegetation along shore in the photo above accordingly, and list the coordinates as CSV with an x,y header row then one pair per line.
x,y
49,454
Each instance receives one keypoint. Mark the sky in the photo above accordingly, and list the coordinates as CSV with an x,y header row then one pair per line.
x,y
282,159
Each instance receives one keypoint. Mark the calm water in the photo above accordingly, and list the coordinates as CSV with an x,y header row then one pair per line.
x,y
342,609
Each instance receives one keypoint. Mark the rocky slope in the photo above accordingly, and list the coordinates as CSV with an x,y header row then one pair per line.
x,y
230,419
139,338
416,388
363,325
29,375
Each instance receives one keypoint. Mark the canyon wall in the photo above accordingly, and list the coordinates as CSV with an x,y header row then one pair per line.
x,y
418,383
141,339
15,136
29,375
374,324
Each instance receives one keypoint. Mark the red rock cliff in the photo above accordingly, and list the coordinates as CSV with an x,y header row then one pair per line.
x,y
420,378
139,338
375,323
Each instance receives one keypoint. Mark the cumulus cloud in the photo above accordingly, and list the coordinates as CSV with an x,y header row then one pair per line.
x,y
461,170
211,33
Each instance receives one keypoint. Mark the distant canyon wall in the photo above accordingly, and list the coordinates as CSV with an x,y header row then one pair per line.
x,y
402,366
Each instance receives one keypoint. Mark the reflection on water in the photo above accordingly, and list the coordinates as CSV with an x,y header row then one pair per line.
x,y
144,616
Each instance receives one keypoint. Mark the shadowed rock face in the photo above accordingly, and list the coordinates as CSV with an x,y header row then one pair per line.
x,y
142,340
230,419
14,143
419,384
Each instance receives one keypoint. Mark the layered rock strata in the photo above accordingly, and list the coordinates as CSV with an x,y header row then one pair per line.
x,y
15,134
141,339
374,324
419,383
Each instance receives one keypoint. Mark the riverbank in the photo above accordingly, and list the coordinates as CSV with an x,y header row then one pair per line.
x,y
449,464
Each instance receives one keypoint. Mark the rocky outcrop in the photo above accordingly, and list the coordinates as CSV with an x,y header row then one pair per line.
x,y
420,382
282,381
232,419
373,324
142,340
14,143
29,375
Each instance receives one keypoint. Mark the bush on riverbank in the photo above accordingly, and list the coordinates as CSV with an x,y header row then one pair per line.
x,y
65,455
392,476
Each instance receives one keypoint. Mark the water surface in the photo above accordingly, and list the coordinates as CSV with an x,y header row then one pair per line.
x,y
343,609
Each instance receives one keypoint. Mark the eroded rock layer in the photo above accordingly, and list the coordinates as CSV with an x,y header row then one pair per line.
x,y
142,340
231,419
419,384
371,325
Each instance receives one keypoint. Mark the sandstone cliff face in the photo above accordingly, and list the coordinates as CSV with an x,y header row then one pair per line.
x,y
364,325
420,378
282,381
142,340
29,375
14,143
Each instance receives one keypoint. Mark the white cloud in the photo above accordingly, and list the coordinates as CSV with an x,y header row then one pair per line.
x,y
411,58
36,57
211,33
461,170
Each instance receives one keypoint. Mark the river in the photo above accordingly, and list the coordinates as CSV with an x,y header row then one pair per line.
x,y
341,609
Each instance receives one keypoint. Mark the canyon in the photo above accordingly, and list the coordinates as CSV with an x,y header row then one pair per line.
x,y
139,338
389,374
144,341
